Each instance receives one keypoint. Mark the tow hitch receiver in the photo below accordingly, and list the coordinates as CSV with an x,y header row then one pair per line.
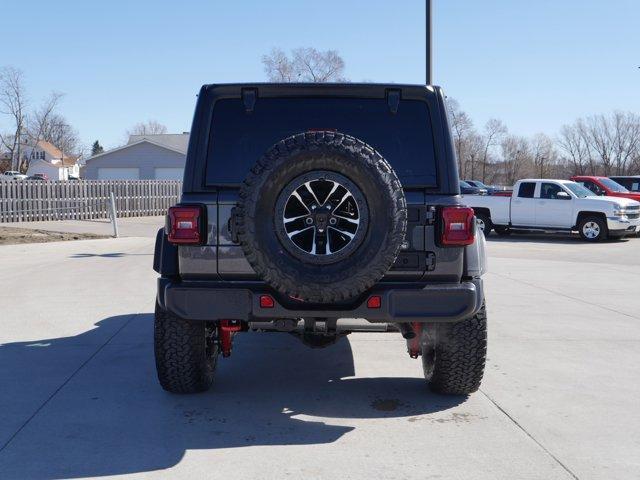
x,y
227,329
413,342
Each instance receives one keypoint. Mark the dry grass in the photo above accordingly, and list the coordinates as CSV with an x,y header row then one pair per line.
x,y
15,235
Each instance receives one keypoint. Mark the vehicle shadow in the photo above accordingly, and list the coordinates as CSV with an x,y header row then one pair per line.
x,y
556,238
111,417
109,255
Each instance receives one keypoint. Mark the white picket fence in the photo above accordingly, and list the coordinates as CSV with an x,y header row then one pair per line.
x,y
33,200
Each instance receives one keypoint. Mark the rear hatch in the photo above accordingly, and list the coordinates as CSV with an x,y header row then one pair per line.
x,y
399,123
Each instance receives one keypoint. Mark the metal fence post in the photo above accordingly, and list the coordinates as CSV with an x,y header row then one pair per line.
x,y
114,214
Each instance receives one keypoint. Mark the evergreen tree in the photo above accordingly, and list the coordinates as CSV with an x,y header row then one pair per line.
x,y
96,148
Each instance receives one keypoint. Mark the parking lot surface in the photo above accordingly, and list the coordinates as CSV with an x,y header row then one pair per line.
x,y
79,396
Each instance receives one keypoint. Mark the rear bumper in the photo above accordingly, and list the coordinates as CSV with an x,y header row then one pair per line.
x,y
429,303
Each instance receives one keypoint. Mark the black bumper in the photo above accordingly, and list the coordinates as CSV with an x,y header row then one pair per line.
x,y
444,302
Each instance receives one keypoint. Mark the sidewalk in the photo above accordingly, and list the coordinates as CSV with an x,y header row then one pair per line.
x,y
128,227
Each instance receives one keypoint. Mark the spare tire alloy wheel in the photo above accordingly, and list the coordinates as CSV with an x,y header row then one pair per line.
x,y
321,217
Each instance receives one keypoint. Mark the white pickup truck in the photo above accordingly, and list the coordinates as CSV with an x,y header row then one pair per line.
x,y
556,205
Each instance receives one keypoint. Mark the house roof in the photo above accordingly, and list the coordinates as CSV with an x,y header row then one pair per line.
x,y
50,148
174,141
56,153
169,145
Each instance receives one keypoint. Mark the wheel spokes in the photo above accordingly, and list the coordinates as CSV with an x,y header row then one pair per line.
x,y
302,202
292,219
321,217
344,232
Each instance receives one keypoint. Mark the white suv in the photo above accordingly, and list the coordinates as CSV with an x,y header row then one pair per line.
x,y
13,175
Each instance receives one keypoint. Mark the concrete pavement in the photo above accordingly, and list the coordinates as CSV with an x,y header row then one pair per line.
x,y
79,396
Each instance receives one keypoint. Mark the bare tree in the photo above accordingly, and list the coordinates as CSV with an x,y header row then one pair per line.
x,y
576,148
278,67
13,103
58,132
516,158
625,129
150,127
473,154
544,154
316,66
599,137
304,65
494,131
602,144
463,131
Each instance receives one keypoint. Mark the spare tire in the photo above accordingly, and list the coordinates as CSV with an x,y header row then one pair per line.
x,y
321,217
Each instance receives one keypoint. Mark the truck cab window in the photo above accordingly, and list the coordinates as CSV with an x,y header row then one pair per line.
x,y
527,190
550,191
593,187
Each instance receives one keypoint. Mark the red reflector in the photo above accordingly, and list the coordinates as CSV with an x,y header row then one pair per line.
x,y
184,224
266,301
457,226
375,301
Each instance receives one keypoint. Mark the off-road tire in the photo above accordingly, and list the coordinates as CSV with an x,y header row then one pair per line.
x,y
360,164
602,224
184,362
454,355
486,220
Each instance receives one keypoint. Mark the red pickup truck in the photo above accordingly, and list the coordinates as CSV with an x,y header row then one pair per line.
x,y
605,186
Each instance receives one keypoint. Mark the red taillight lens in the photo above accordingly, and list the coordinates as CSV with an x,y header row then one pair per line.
x,y
266,301
375,301
458,227
184,224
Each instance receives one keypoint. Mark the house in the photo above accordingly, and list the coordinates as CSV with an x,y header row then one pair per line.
x,y
144,157
44,157
5,161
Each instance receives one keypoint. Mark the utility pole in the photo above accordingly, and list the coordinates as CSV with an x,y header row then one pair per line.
x,y
429,38
65,173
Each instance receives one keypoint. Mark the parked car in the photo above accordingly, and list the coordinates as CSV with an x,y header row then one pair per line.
x,y
13,175
556,205
604,186
503,193
467,189
288,227
38,176
490,190
631,182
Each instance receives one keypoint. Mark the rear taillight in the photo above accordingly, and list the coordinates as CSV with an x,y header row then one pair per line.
x,y
267,301
374,301
458,226
184,224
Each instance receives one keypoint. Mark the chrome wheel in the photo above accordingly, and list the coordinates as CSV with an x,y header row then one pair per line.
x,y
480,224
322,216
591,230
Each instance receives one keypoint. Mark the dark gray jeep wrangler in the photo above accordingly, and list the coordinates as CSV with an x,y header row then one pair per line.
x,y
320,210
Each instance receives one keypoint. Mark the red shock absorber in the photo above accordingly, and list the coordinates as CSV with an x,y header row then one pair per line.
x,y
413,344
227,329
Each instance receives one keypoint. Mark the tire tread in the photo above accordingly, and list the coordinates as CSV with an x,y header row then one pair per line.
x,y
180,354
461,350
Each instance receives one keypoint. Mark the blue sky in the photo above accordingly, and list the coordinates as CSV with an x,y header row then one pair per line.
x,y
536,64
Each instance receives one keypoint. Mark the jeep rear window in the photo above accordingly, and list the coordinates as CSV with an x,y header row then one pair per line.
x,y
238,139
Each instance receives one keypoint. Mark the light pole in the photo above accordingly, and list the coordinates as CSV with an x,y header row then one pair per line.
x,y
428,42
